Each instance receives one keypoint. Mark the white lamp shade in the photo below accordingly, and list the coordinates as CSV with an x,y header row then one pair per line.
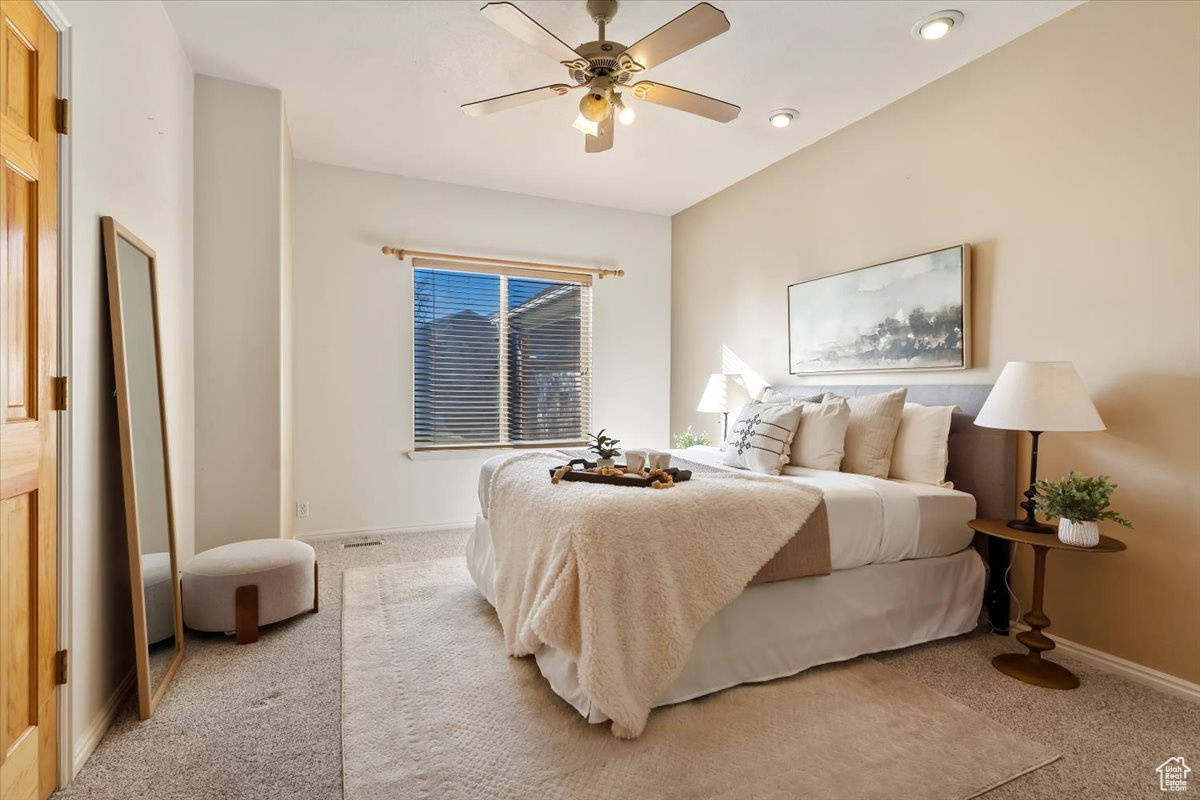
x,y
1039,396
724,394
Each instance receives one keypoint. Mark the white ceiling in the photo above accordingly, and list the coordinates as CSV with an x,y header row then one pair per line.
x,y
377,85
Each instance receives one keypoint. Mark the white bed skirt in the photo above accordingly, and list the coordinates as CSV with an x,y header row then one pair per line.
x,y
779,629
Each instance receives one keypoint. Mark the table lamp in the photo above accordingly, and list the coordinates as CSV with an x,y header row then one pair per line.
x,y
1038,396
724,394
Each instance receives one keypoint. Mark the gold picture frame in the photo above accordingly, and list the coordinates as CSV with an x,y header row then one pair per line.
x,y
912,313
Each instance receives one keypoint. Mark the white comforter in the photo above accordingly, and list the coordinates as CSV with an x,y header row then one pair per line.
x,y
622,581
871,521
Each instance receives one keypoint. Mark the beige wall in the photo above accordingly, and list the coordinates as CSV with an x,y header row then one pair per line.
x,y
287,501
243,285
353,334
131,158
1070,158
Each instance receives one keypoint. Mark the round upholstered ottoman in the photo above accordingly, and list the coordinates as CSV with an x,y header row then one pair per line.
x,y
158,590
237,587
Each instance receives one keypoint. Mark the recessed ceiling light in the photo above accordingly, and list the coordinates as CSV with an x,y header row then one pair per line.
x,y
936,26
782,117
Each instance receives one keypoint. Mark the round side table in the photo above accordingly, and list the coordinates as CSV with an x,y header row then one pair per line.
x,y
1031,667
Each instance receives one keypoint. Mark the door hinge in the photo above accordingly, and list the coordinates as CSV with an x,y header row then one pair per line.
x,y
60,667
62,115
58,393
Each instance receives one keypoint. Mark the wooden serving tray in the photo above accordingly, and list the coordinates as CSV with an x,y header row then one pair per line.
x,y
678,475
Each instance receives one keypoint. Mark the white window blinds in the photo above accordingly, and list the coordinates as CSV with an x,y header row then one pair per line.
x,y
502,357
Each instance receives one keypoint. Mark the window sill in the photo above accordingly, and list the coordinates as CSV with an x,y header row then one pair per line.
x,y
440,455
482,452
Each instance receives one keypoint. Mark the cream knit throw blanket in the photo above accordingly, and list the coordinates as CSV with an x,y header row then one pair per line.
x,y
623,578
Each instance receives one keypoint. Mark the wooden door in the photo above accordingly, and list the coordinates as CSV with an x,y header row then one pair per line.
x,y
28,441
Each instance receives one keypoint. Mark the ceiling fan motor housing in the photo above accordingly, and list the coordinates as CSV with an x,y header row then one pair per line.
x,y
602,59
602,10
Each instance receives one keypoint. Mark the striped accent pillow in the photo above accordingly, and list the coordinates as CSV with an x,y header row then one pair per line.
x,y
871,434
761,439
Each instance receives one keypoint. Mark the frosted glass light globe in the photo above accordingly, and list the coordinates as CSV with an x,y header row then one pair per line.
x,y
595,107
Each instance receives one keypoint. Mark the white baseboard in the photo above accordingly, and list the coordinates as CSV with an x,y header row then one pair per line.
x,y
1131,670
330,536
102,722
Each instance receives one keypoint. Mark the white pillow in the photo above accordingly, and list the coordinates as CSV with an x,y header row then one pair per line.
x,y
772,396
874,420
820,442
776,396
762,436
922,449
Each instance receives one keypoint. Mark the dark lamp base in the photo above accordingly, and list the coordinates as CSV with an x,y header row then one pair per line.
x,y
1030,523
1031,527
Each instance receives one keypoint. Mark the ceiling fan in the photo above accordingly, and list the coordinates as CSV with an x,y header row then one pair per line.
x,y
605,68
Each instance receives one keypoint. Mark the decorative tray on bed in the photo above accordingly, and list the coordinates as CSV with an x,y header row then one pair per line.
x,y
579,466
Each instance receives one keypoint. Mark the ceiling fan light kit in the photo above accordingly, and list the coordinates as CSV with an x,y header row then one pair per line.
x,y
625,114
595,106
603,66
585,125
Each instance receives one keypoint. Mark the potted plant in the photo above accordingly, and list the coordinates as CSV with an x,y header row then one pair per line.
x,y
1079,502
690,438
605,448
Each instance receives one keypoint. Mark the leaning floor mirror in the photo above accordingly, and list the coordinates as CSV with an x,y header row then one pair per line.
x,y
145,466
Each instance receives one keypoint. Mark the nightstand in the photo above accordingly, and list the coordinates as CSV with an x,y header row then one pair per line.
x,y
1031,667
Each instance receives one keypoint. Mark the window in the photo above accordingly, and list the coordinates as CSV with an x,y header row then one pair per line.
x,y
501,357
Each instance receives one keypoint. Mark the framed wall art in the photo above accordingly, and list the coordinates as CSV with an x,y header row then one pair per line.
x,y
909,314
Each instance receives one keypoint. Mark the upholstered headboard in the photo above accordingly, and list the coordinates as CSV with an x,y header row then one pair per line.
x,y
983,461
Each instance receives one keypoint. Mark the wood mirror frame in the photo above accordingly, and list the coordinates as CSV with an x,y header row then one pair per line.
x,y
149,695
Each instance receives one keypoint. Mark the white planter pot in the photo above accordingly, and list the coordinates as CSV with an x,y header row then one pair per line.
x,y
601,463
1081,534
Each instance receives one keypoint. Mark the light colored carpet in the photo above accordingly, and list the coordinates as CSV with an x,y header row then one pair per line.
x,y
263,721
433,708
260,721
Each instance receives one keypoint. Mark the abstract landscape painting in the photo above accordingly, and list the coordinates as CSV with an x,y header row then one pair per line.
x,y
908,314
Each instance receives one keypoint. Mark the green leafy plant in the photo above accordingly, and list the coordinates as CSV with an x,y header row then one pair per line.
x,y
690,437
1079,498
603,446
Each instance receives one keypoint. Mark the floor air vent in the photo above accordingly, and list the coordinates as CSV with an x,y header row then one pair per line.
x,y
363,543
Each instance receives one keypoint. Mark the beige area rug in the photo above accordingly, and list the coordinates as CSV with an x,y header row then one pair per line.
x,y
433,708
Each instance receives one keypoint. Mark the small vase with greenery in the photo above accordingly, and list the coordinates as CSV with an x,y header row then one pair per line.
x,y
690,438
1079,502
605,448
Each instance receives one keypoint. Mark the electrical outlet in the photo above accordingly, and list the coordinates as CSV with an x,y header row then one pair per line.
x,y
302,510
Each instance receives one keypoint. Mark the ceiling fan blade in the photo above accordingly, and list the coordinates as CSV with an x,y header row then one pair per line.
x,y
602,142
693,103
507,101
694,26
527,29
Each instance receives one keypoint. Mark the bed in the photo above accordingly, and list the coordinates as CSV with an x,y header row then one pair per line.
x,y
903,568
